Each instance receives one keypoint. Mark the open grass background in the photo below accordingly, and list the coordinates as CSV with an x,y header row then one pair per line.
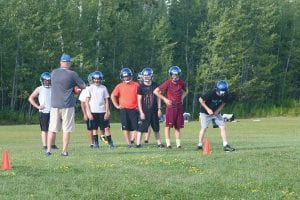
x,y
266,165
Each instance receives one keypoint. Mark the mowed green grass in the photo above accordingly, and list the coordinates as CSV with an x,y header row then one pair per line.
x,y
266,165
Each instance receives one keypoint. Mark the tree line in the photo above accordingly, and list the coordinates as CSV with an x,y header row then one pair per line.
x,y
254,45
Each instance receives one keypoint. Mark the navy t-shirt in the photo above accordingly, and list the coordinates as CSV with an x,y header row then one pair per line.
x,y
212,100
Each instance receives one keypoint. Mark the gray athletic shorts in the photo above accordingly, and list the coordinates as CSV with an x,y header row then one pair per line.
x,y
205,120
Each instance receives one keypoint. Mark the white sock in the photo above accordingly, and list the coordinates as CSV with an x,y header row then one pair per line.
x,y
225,143
178,142
168,142
199,144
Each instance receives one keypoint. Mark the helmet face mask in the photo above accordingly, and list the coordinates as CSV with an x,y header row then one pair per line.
x,y
222,88
97,77
174,73
126,75
147,75
45,79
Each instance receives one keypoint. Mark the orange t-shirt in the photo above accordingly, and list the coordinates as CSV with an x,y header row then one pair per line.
x,y
127,94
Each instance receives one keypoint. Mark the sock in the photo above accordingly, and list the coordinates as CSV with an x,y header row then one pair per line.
x,y
95,137
199,144
168,142
109,139
178,142
225,143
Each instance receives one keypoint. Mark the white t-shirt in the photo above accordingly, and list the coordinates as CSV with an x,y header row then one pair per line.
x,y
83,95
98,94
44,98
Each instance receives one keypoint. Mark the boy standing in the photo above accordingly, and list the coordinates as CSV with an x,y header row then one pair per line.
x,y
149,107
97,105
211,105
124,98
176,91
43,93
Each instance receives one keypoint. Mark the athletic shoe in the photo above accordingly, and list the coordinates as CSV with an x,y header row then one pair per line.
x,y
146,141
138,146
97,146
54,146
91,146
160,146
111,146
228,148
48,153
169,147
199,148
179,147
129,146
64,154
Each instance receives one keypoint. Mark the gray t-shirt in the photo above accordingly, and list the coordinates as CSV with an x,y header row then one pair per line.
x,y
62,83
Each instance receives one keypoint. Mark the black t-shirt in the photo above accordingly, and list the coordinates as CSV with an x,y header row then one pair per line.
x,y
149,100
212,100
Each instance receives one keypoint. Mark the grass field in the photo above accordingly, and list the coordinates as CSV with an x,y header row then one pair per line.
x,y
266,165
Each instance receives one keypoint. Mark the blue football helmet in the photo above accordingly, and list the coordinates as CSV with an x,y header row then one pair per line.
x,y
147,74
97,75
140,77
90,79
222,87
126,72
174,70
45,76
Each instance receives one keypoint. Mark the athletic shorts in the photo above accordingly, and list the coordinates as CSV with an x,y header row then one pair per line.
x,y
44,121
129,119
62,119
206,119
88,125
150,119
99,121
174,117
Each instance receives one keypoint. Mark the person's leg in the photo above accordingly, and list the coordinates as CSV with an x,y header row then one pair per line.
x,y
108,137
49,141
177,137
223,135
66,141
96,138
167,136
147,135
138,139
201,136
44,135
126,134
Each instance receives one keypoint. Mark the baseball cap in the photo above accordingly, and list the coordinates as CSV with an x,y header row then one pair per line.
x,y
65,58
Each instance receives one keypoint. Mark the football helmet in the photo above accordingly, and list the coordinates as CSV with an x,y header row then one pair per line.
x,y
222,87
45,76
90,79
126,72
174,70
97,75
140,77
147,74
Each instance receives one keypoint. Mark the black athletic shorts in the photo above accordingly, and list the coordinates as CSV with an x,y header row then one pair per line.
x,y
89,125
129,119
99,121
44,121
150,119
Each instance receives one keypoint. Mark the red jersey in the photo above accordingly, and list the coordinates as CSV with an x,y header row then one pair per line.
x,y
127,94
173,90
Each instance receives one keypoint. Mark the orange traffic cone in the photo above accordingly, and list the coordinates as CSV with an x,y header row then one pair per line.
x,y
5,161
206,149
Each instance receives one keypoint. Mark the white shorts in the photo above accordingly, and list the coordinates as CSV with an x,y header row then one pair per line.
x,y
62,119
205,120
